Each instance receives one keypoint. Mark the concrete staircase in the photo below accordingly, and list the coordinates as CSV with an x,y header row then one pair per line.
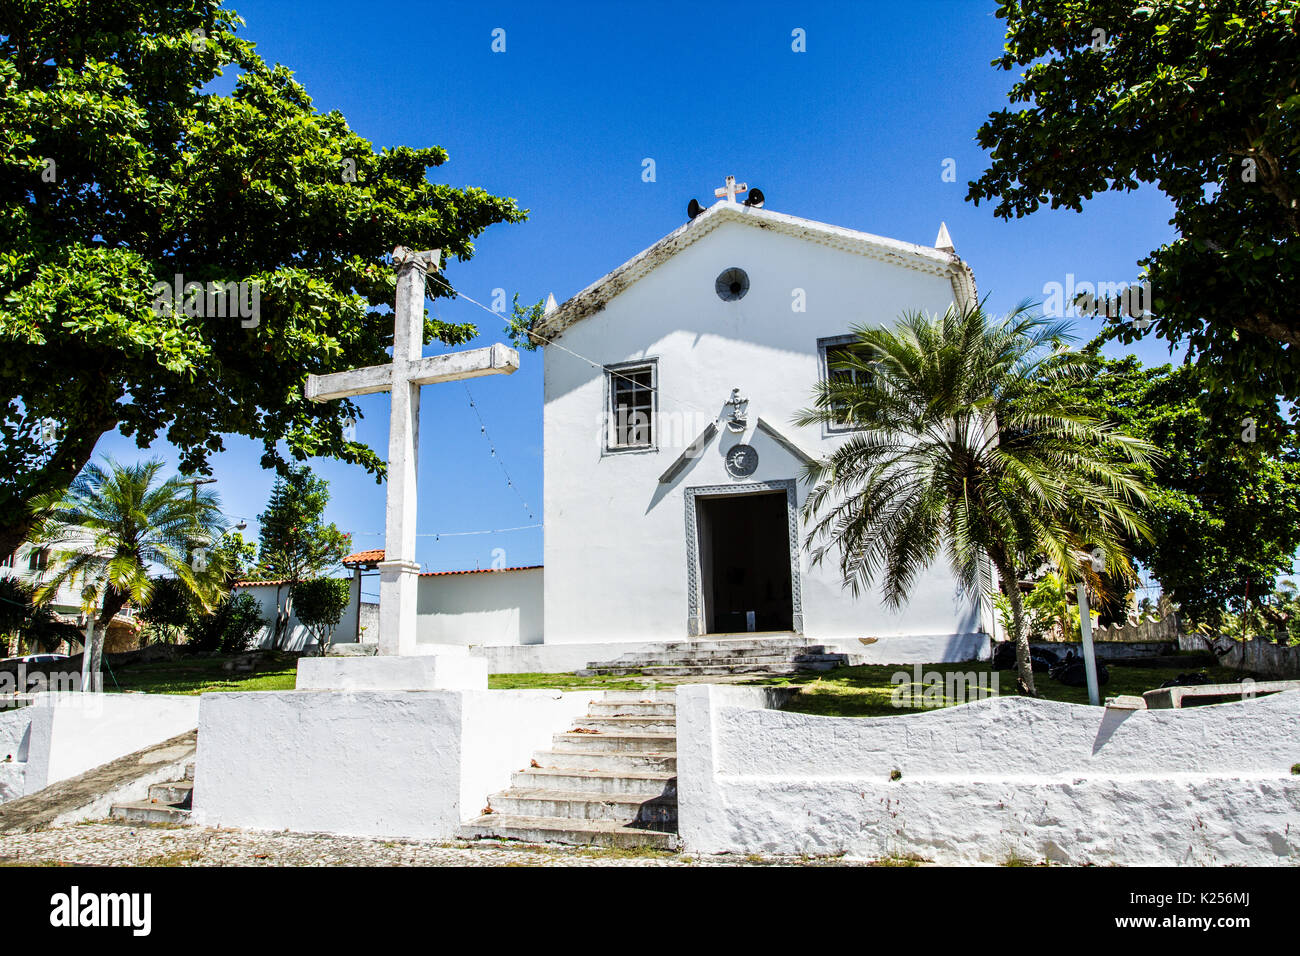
x,y
610,781
768,655
168,803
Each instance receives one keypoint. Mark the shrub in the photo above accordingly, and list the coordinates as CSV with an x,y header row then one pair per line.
x,y
230,628
168,609
319,605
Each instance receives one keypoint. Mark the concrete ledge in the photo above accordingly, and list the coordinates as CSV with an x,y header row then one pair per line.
x,y
434,672
1167,698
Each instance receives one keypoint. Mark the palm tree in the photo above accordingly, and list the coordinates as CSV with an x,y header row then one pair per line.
x,y
115,524
971,442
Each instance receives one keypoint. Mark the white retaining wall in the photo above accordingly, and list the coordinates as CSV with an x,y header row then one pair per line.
x,y
64,734
992,780
406,764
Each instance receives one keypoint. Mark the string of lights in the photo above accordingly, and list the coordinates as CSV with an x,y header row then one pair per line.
x,y
482,427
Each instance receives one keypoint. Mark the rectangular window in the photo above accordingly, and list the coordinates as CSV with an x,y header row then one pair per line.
x,y
834,351
632,403
7,561
38,559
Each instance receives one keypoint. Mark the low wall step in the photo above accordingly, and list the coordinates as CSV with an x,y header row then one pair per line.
x,y
561,830
144,811
690,670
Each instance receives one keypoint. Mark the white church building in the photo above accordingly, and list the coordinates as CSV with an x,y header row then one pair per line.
x,y
673,472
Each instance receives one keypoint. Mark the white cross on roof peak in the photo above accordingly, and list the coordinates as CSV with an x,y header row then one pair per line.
x,y
730,189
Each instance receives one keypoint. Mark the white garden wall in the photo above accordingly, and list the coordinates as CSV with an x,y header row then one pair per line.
x,y
991,780
480,607
268,596
407,764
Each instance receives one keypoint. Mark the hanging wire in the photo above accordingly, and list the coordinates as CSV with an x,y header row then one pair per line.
x,y
482,427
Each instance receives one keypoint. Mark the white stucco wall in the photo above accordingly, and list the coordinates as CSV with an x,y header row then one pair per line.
x,y
987,781
63,734
298,638
483,608
367,763
616,550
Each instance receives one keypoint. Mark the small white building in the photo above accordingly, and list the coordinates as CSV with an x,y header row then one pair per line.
x,y
673,471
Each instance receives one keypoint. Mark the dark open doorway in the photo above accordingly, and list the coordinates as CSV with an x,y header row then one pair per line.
x,y
744,543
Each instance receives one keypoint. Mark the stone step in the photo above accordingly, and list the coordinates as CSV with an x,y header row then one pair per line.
x,y
571,758
648,783
605,708
614,743
175,794
144,811
561,830
625,808
693,670
629,724
647,696
761,655
643,660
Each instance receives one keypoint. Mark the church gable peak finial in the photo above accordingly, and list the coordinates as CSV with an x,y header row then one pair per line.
x,y
943,242
754,199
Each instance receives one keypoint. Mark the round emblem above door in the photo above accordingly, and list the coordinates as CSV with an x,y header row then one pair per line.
x,y
742,461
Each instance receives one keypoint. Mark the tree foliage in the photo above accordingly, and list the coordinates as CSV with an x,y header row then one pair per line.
x,y
113,526
1225,507
1201,100
122,167
974,443
295,543
319,605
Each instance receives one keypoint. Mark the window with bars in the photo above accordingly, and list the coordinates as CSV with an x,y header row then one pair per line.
x,y
7,561
834,352
632,403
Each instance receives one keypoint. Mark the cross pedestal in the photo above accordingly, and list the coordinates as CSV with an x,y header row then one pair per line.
x,y
403,377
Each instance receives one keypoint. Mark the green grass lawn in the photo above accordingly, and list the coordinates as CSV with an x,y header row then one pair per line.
x,y
863,691
868,690
203,675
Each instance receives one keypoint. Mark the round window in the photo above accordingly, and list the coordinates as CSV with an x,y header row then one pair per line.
x,y
731,285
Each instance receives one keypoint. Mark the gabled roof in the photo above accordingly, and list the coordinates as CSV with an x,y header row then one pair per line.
x,y
594,298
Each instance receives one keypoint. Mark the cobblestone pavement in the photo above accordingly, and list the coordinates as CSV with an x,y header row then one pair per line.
x,y
120,844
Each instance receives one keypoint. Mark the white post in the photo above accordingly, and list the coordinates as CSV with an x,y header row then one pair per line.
x,y
1089,659
399,573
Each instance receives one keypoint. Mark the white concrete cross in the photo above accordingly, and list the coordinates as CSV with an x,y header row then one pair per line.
x,y
730,189
399,572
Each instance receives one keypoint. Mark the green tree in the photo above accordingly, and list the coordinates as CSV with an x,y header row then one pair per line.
x,y
1225,509
1201,100
319,604
169,608
113,525
120,169
295,543
973,443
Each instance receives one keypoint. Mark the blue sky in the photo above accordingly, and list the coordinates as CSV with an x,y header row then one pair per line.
x,y
855,131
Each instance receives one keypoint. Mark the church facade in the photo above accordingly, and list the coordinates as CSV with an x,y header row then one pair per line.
x,y
673,469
